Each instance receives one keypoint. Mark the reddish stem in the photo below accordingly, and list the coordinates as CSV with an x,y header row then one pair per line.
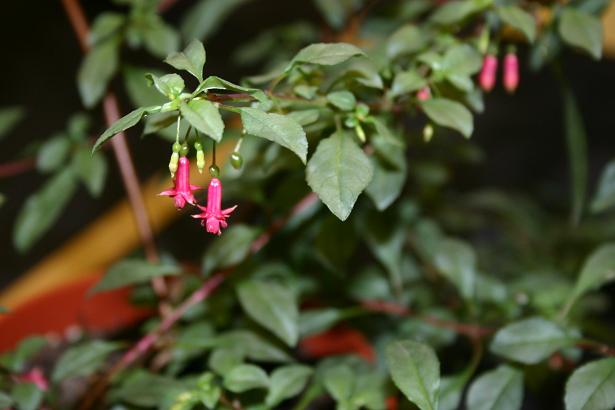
x,y
9,169
120,149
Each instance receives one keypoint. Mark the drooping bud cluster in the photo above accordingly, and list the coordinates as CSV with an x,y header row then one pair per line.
x,y
213,216
488,74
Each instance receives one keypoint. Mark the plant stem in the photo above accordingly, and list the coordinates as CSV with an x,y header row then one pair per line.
x,y
120,149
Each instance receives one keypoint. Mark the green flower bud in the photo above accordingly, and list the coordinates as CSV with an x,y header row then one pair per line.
x,y
177,147
184,150
427,133
236,160
198,146
214,171
362,111
360,133
200,160
351,122
173,163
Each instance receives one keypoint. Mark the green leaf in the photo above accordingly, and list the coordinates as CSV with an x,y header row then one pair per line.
x,y
317,320
138,89
448,113
246,377
133,271
461,60
27,349
406,82
206,16
5,400
83,360
335,243
605,194
305,117
145,389
96,70
338,172
335,12
9,117
592,386
344,100
160,38
129,120
520,20
388,181
577,152
386,242
53,153
92,169
278,128
209,391
273,306
457,11
530,340
406,40
169,85
325,54
598,270
457,261
499,389
287,382
27,396
253,346
43,208
106,25
205,117
230,249
339,382
223,359
415,370
192,59
581,30
212,82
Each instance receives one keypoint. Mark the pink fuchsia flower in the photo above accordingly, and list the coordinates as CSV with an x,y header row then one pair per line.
x,y
182,192
35,376
423,94
488,72
213,216
511,72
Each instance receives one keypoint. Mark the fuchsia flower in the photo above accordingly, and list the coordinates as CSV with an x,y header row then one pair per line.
x,y
213,215
182,192
35,376
511,72
488,72
423,94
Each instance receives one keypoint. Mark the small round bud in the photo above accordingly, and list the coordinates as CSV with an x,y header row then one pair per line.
x,y
427,132
177,147
236,160
184,150
214,171
173,163
351,122
360,133
198,146
362,110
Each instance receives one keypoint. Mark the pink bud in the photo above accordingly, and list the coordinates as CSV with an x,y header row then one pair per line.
x,y
35,376
511,72
182,192
488,72
423,94
213,216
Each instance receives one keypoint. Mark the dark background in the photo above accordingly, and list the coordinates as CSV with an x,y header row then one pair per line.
x,y
521,135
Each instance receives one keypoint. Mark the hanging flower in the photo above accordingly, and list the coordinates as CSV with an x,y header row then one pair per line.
x,y
488,72
511,72
182,192
35,376
213,216
423,94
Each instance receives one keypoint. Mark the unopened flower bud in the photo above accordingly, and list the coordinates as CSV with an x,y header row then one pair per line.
x,y
200,160
488,72
360,133
173,163
177,147
184,150
236,160
427,133
511,72
423,94
214,171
